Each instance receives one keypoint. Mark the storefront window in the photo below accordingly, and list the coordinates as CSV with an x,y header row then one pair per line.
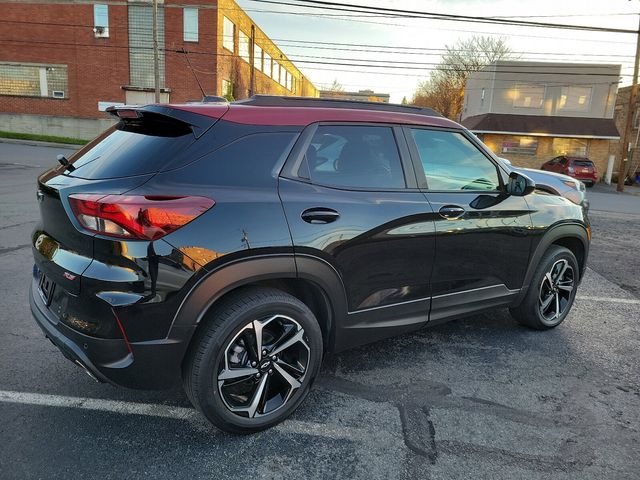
x,y
520,146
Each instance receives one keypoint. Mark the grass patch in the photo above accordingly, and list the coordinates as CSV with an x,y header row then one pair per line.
x,y
43,138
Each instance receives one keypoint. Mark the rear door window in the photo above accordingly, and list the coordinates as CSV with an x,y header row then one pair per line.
x,y
357,156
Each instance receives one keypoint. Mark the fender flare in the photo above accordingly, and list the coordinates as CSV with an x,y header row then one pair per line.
x,y
235,274
572,230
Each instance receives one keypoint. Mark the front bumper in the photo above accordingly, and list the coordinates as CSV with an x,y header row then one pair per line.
x,y
143,365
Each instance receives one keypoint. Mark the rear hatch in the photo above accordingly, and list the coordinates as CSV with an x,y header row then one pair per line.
x,y
144,141
583,167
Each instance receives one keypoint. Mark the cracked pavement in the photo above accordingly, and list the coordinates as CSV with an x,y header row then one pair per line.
x,y
475,398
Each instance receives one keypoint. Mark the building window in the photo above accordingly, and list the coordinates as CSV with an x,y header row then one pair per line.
x,y
481,99
190,17
288,81
520,146
274,70
101,21
267,64
575,99
570,146
228,31
528,96
141,45
293,84
34,80
283,77
243,46
257,57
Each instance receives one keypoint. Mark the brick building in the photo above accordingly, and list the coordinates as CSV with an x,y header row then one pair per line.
x,y
62,62
359,96
531,112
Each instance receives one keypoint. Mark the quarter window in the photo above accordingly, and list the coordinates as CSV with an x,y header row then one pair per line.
x,y
355,156
451,162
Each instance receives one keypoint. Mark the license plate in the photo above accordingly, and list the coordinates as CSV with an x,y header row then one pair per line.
x,y
585,170
45,289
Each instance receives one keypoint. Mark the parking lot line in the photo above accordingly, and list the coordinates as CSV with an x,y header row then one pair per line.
x,y
337,432
609,299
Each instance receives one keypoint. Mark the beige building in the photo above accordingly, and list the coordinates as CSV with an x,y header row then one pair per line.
x,y
531,112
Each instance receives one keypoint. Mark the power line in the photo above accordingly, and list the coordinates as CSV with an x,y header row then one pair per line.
x,y
426,51
348,7
409,66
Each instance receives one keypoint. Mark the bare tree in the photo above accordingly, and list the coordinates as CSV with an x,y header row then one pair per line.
x,y
444,90
335,89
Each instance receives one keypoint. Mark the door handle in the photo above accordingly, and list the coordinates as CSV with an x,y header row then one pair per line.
x,y
319,215
451,211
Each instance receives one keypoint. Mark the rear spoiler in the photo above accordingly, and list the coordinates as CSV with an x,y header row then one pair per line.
x,y
199,124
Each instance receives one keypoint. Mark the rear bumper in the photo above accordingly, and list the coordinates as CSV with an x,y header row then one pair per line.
x,y
143,365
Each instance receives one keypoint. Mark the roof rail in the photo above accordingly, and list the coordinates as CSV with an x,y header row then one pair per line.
x,y
283,101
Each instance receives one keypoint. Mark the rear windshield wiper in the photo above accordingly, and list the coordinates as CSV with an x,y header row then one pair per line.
x,y
65,163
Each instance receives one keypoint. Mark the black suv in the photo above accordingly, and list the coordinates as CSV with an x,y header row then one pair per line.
x,y
230,246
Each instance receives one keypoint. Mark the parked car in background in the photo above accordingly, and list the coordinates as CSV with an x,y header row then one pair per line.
x,y
577,167
232,246
555,183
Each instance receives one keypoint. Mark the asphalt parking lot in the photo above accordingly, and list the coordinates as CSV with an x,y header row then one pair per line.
x,y
476,398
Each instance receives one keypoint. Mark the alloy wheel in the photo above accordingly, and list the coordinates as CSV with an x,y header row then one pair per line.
x,y
556,289
263,366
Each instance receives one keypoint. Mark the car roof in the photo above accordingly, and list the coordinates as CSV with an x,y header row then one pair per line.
x,y
267,110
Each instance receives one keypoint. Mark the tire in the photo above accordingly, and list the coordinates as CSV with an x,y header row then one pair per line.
x,y
224,367
589,185
547,289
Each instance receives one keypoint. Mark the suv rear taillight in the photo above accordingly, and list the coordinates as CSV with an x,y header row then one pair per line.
x,y
136,217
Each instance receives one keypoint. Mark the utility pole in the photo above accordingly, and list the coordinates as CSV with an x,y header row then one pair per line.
x,y
156,60
624,149
252,74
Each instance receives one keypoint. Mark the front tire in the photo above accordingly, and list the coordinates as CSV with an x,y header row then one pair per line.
x,y
552,290
253,360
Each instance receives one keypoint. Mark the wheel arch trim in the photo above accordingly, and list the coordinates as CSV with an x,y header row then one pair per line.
x,y
245,271
573,230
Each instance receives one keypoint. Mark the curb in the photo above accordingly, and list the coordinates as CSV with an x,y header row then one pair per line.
x,y
36,143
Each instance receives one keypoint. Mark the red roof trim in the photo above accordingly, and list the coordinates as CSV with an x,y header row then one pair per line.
x,y
258,115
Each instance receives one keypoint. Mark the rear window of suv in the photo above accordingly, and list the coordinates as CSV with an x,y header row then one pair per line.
x,y
582,163
129,149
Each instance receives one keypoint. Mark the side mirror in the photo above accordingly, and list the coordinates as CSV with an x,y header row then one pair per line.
x,y
520,185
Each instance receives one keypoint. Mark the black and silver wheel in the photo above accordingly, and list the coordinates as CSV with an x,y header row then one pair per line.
x,y
254,360
552,291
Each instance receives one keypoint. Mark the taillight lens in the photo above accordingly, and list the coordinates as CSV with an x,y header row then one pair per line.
x,y
136,217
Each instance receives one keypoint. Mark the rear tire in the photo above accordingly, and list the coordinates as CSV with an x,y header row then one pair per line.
x,y
551,292
228,377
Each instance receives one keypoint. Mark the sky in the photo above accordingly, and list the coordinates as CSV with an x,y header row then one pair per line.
x,y
420,41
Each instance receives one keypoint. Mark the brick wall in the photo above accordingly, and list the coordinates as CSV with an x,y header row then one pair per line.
x,y
98,68
62,33
231,67
598,151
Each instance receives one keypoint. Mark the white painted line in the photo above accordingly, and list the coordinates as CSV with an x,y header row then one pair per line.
x,y
127,408
332,431
630,301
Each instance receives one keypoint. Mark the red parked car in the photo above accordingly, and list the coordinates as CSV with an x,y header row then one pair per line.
x,y
580,168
